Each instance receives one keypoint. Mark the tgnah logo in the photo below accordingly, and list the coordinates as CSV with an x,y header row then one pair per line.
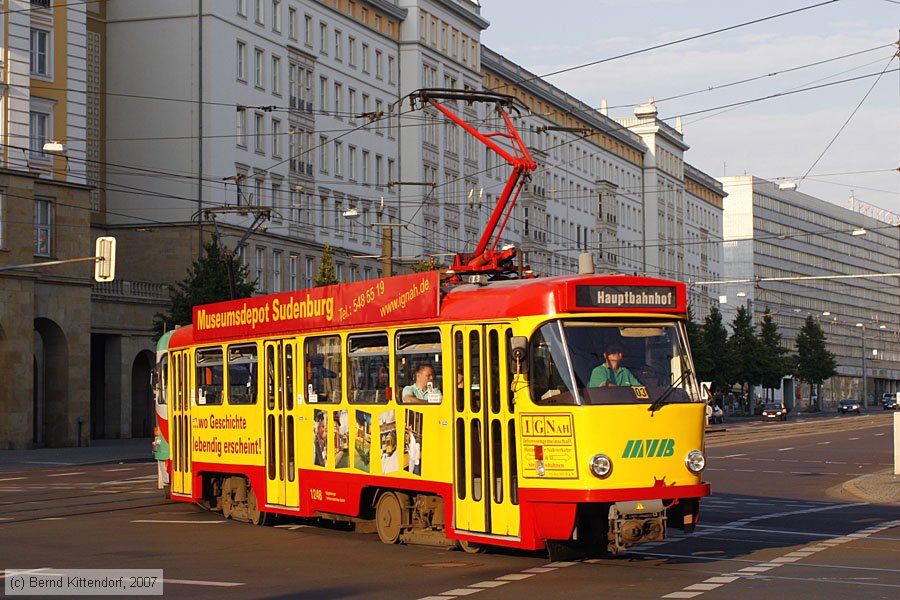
x,y
649,448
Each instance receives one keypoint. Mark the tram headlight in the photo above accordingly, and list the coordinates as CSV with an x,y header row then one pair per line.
x,y
695,461
601,466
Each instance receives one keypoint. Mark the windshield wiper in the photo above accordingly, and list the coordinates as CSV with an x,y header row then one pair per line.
x,y
659,402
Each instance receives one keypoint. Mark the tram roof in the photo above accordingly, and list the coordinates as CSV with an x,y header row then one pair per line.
x,y
609,293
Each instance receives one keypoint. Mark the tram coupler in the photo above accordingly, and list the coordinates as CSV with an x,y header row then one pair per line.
x,y
636,522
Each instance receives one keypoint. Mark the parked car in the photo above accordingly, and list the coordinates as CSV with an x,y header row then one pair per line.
x,y
890,402
773,411
848,405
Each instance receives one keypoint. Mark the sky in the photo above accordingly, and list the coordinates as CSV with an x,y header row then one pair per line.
x,y
776,139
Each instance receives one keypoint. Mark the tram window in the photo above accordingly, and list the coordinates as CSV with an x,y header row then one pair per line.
x,y
459,353
475,455
323,369
549,378
368,369
475,377
513,463
510,372
291,467
461,459
209,376
270,377
497,459
288,372
242,374
494,370
415,350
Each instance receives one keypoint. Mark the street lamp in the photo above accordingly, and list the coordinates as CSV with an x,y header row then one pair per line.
x,y
862,338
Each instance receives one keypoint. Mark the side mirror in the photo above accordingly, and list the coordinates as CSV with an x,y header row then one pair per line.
x,y
519,347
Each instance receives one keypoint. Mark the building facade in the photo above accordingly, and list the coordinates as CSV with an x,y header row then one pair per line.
x,y
281,126
826,261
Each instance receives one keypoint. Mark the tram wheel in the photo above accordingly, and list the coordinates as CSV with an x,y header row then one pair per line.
x,y
388,518
472,547
257,517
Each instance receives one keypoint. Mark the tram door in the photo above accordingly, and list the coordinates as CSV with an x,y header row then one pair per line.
x,y
484,435
180,438
282,488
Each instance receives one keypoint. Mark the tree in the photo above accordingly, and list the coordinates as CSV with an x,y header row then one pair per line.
x,y
713,365
743,350
815,363
698,346
422,266
326,275
772,355
206,282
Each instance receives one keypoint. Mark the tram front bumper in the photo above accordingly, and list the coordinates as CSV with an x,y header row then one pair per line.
x,y
635,522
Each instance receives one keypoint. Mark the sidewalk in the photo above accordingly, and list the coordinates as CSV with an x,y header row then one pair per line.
x,y
879,488
98,453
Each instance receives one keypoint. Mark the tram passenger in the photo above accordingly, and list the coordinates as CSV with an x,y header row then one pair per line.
x,y
423,390
611,372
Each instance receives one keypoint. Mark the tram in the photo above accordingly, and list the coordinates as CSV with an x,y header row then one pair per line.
x,y
462,407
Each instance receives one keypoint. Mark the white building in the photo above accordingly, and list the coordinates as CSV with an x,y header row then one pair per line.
x,y
827,262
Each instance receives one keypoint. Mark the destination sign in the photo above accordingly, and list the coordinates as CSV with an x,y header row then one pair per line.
x,y
625,296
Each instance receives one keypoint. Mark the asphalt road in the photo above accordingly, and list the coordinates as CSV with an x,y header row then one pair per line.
x,y
777,524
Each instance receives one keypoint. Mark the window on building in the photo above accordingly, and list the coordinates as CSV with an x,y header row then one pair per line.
x,y
260,268
241,128
276,271
292,23
276,138
351,50
276,75
241,69
40,52
391,69
242,7
40,123
365,58
259,131
378,69
308,273
338,45
323,38
323,153
338,100
293,275
276,15
43,223
365,167
259,69
338,166
260,13
351,162
308,30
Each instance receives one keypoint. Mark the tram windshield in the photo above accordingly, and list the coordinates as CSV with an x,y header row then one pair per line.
x,y
602,362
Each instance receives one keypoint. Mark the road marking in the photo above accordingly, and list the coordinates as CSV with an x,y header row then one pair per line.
x,y
12,478
502,580
177,522
791,557
784,449
198,582
823,443
66,474
878,434
853,439
734,455
117,470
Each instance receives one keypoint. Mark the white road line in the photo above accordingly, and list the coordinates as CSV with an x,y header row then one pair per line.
x,y
198,582
461,592
878,434
823,443
785,449
853,439
116,470
12,478
66,474
488,584
734,455
178,522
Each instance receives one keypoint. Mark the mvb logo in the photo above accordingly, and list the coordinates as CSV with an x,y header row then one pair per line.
x,y
649,448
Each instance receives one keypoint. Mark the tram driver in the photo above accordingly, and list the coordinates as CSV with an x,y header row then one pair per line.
x,y
611,372
423,389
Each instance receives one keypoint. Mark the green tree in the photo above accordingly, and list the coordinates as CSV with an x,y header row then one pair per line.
x,y
815,363
714,361
206,282
326,275
421,266
743,350
772,355
698,346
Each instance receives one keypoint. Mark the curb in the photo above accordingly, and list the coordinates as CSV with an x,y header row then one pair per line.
x,y
882,487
